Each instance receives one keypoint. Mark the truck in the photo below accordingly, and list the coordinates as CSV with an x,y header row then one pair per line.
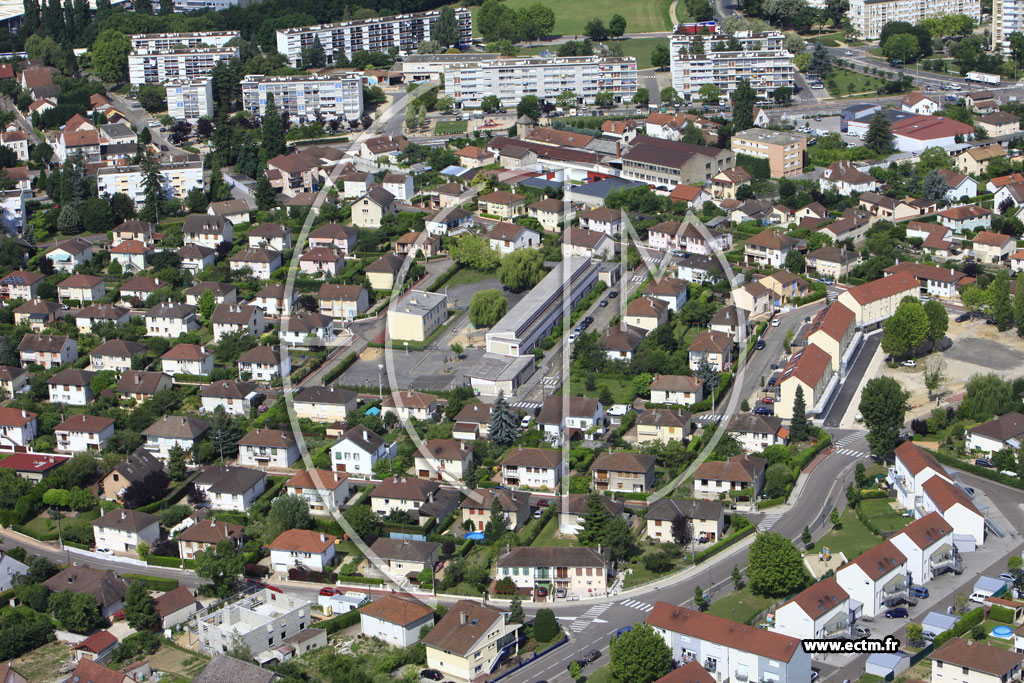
x,y
980,77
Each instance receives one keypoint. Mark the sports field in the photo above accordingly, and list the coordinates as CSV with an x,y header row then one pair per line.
x,y
642,16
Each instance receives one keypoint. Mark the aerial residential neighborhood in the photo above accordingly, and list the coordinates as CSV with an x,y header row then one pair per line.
x,y
511,340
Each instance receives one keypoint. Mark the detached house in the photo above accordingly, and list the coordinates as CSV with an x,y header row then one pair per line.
x,y
417,497
968,217
123,530
768,248
846,179
395,620
38,314
515,507
646,313
325,491
170,431
231,488
411,405
259,261
574,510
324,404
584,414
80,433
233,318
991,247
187,359
71,386
47,350
346,302
505,238
662,425
757,432
706,519
304,548
17,428
268,448
443,460
967,660
275,301
578,570
170,320
716,347
70,254
132,470
206,534
536,468
359,450
82,288
20,284
206,231
715,479
196,257
502,204
264,364
620,341
369,210
307,329
334,236
672,291
470,640
235,397
141,385
1002,432
623,471
405,557
322,261
86,318
271,236
682,390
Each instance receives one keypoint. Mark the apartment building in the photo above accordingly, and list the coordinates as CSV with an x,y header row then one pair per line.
x,y
189,99
156,42
308,96
784,151
179,179
1007,17
870,16
417,315
262,620
403,31
512,79
579,571
670,163
471,640
157,66
762,60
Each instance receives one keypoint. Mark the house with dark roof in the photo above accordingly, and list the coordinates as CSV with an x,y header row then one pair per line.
x,y
999,433
264,364
620,341
206,231
661,425
132,470
140,385
832,262
443,459
271,236
38,314
757,432
670,163
358,451
71,386
740,472
176,606
187,359
47,350
470,640
13,380
846,179
582,415
82,288
769,248
534,468
268,448
371,208
235,397
324,404
205,534
573,571
705,519
80,433
472,422
86,318
172,430
587,243
406,494
681,390
346,302
505,237
116,355
715,347
728,649
515,507
820,611
232,318
122,530
976,662
623,471
574,509
411,405
231,487
395,620
382,272
405,557
105,586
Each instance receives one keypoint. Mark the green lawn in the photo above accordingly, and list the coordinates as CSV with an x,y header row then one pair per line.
x,y
742,606
622,390
450,127
631,47
827,39
602,675
467,276
571,16
883,516
547,535
843,82
851,539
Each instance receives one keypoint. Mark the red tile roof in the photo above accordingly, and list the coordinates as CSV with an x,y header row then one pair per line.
x,y
884,287
723,631
930,127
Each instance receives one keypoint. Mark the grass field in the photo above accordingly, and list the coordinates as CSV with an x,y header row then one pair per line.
x,y
631,47
467,276
43,663
571,16
547,535
883,515
852,539
843,82
741,606
450,127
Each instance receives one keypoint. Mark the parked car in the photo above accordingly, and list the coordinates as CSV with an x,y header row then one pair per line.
x,y
328,590
543,503
897,613
963,317
525,422
761,410
593,656
768,399
432,674
541,592
862,631
537,514
624,629
776,322
984,462
979,598
919,591
759,344
1007,576
612,295
604,302
909,363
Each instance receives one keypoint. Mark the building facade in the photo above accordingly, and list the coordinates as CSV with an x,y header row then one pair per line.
x,y
870,16
304,97
190,99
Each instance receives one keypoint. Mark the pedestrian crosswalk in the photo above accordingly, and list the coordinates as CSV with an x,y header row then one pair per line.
x,y
588,617
850,438
551,382
636,604
526,405
711,417
638,278
769,521
851,452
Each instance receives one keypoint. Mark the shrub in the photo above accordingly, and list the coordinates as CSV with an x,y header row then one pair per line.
x,y
505,586
1000,614
658,562
256,570
545,628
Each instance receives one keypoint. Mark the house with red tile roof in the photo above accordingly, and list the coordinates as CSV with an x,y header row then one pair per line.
x,y
877,578
918,133
993,247
935,280
912,467
820,611
966,218
928,544
811,369
874,302
714,477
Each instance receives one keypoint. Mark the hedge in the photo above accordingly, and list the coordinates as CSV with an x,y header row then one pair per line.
x,y
344,365
80,546
969,621
445,277
160,561
1000,614
544,519
984,472
153,583
372,580
725,379
723,544
771,502
627,495
339,622
759,169
466,547
871,494
173,497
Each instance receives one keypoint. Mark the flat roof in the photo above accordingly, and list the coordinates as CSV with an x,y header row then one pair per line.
x,y
779,137
418,302
496,368
529,307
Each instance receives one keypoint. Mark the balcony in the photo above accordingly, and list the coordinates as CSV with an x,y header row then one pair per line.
x,y
944,562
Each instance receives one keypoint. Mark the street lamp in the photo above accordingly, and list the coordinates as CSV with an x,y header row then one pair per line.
x,y
380,381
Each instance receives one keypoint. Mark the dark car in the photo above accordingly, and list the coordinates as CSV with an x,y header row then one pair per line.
x,y
963,317
897,613
589,320
763,411
604,302
612,295
432,674
771,382
759,345
984,462
594,656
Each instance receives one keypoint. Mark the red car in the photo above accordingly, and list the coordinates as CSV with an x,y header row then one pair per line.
x,y
768,399
543,503
327,590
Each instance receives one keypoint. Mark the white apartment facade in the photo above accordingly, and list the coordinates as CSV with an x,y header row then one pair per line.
x,y
178,180
1007,17
762,60
404,31
189,99
512,79
158,66
870,16
156,42
334,96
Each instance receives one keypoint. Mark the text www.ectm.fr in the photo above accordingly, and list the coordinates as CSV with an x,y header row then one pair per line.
x,y
864,645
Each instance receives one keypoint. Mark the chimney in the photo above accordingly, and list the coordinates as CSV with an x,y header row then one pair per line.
x,y
124,514
462,618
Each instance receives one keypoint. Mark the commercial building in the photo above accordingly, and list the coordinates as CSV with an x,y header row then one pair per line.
x,y
668,163
537,314
262,620
512,79
189,99
762,60
870,16
178,180
306,96
784,151
158,65
404,31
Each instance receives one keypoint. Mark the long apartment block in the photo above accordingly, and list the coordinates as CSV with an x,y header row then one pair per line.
x,y
870,16
158,42
511,79
188,63
178,180
699,56
404,31
335,96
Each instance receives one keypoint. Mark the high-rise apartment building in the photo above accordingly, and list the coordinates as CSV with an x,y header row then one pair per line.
x,y
702,54
188,63
1007,17
190,99
869,17
159,42
334,96
178,180
403,31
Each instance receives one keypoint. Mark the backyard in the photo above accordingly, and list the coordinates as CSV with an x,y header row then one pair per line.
x,y
742,606
546,537
883,515
851,539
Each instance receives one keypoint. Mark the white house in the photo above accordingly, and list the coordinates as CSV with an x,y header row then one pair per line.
x,y
71,386
358,450
70,254
730,650
303,548
584,415
913,466
170,320
757,432
264,364
928,546
578,570
307,329
1004,431
324,404
232,318
325,491
535,468
268,448
9,568
877,579
818,612
187,359
949,500
81,433
231,488
395,620
17,427
443,459
505,238
170,431
235,397
122,530
47,350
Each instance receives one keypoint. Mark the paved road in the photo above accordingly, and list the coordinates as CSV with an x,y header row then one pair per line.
x,y
849,387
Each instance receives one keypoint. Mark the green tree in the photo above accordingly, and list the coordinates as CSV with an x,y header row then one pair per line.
x,y
575,670
363,520
490,104
176,463
617,25
487,307
207,303
999,301
619,539
938,320
221,565
660,56
153,99
496,21
521,270
272,129
596,518
709,93
266,195
833,518
805,537
905,329
1018,305
152,188
504,427
744,98
545,628
799,430
446,29
287,512
604,100
76,612
736,577
902,46
529,106
496,526
475,252
935,186
795,262
775,567
110,56
821,63
879,137
641,97
883,406
515,610
139,608
640,656
69,221
777,480
596,30
699,601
